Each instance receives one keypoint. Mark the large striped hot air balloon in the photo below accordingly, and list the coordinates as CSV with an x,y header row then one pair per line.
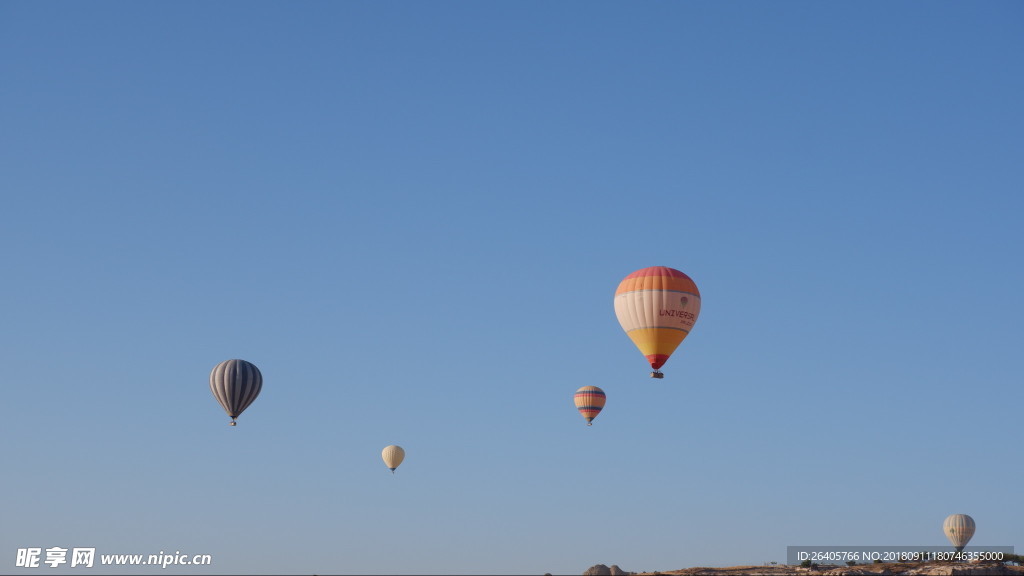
x,y
393,456
959,528
589,401
235,384
657,307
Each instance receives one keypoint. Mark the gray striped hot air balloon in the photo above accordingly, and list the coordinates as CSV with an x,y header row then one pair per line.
x,y
235,384
959,528
393,456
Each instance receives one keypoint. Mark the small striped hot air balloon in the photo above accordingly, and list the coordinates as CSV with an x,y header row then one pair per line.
x,y
393,456
657,307
235,384
589,401
959,528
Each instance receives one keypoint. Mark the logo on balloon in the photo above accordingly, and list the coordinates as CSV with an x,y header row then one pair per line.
x,y
683,300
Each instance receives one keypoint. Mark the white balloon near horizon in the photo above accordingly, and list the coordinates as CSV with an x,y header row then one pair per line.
x,y
959,528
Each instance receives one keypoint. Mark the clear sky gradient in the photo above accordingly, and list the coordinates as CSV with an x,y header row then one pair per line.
x,y
412,216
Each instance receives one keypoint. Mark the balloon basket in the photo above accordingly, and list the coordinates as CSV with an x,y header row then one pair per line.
x,y
657,374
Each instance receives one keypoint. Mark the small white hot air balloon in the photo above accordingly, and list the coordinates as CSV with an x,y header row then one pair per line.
x,y
393,456
959,528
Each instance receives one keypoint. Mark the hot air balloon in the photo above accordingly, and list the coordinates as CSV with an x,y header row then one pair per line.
x,y
235,384
589,401
393,456
657,307
959,528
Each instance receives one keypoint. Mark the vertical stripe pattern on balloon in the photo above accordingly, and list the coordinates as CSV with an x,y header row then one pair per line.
x,y
959,528
235,384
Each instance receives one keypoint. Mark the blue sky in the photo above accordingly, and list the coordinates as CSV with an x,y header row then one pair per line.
x,y
412,217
